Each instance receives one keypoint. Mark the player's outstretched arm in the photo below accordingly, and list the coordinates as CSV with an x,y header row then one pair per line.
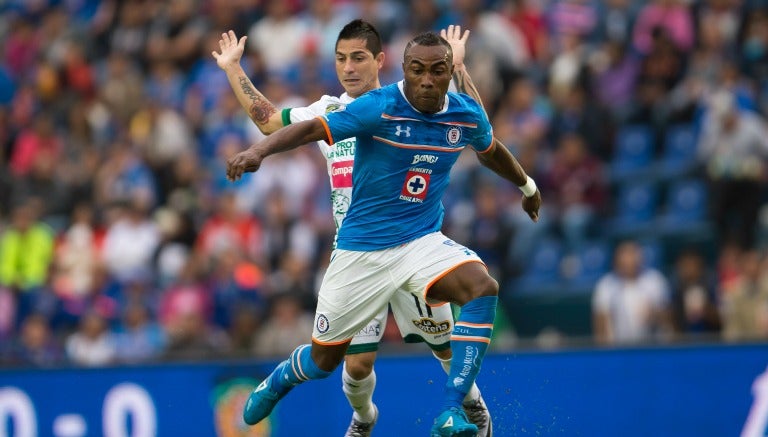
x,y
498,158
259,108
282,140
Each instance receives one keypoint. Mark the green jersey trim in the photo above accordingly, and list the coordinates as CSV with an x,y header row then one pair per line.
x,y
414,338
362,348
286,115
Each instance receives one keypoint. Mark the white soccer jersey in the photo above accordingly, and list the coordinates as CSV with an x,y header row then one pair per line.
x,y
339,157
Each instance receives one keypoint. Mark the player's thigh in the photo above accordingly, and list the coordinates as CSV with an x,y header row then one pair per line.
x,y
464,283
439,269
353,292
420,322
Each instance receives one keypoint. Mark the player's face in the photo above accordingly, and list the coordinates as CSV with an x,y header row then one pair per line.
x,y
427,71
356,67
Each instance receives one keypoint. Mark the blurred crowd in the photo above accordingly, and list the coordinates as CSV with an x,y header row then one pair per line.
x,y
121,240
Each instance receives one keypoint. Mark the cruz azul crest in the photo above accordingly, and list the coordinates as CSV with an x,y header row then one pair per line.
x,y
453,135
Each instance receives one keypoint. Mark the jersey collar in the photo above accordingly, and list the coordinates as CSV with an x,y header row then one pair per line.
x,y
344,98
402,92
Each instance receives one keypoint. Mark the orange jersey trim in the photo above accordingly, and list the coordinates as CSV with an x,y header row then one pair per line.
x,y
475,325
327,130
392,117
441,275
330,343
417,146
474,339
489,148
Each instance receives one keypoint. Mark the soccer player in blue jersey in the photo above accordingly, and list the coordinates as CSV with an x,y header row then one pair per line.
x,y
359,57
409,136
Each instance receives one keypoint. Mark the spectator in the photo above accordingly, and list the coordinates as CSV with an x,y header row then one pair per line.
x,y
630,304
138,338
745,301
130,242
694,297
287,327
523,116
734,146
93,344
31,143
26,252
278,25
577,189
37,346
243,329
530,20
229,227
614,71
670,16
176,33
75,274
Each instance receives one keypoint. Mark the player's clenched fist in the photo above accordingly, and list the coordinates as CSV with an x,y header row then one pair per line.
x,y
245,161
532,204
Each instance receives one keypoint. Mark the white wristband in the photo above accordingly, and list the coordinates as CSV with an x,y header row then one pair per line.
x,y
529,189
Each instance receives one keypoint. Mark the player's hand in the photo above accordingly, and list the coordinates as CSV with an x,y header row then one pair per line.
x,y
231,50
532,204
458,43
246,161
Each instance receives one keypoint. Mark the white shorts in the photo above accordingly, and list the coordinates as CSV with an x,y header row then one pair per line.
x,y
358,286
417,322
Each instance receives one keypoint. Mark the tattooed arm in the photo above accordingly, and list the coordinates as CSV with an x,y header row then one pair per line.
x,y
259,108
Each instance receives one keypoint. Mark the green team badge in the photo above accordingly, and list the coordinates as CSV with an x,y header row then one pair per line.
x,y
333,107
340,204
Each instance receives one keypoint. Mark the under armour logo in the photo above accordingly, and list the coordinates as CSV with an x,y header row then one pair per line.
x,y
400,130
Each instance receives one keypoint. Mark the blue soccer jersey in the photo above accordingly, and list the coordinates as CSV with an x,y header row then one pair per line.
x,y
402,163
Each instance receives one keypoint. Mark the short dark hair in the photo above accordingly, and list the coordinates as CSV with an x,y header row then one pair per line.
x,y
428,39
361,29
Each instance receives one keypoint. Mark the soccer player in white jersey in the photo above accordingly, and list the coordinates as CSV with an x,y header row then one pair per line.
x,y
408,137
359,58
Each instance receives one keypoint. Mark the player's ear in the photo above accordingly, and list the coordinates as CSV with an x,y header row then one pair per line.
x,y
380,59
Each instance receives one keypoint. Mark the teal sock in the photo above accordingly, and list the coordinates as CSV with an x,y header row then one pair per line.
x,y
469,342
299,367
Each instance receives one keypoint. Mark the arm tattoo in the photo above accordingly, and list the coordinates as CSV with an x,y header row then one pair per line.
x,y
261,108
465,85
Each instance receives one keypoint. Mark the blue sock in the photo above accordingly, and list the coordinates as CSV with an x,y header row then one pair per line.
x,y
469,341
299,367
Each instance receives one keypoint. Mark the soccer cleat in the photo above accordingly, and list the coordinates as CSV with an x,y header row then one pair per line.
x,y
362,429
453,422
477,413
262,400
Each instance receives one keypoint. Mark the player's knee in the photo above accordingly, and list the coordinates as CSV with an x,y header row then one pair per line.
x,y
444,354
328,358
487,286
359,366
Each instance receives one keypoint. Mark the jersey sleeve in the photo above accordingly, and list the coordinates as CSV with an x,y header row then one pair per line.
x,y
359,117
295,115
484,135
